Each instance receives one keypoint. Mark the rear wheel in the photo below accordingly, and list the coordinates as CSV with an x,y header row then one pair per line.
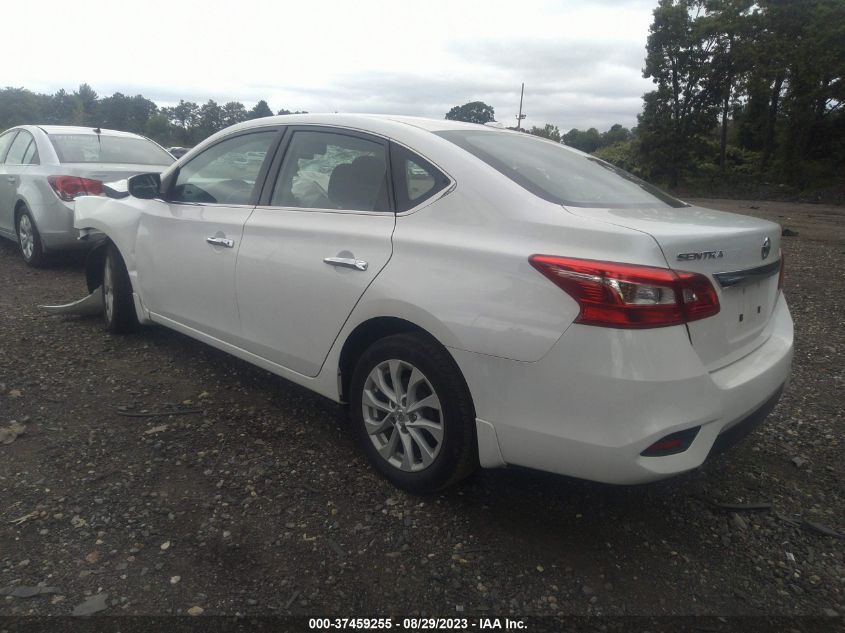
x,y
29,240
118,304
413,414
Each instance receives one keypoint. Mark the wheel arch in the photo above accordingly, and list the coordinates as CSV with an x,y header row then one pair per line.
x,y
20,205
94,262
368,332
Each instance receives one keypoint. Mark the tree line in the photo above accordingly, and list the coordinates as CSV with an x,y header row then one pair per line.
x,y
186,123
753,88
746,93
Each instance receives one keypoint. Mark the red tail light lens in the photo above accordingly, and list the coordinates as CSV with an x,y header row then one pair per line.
x,y
780,274
672,444
68,188
630,296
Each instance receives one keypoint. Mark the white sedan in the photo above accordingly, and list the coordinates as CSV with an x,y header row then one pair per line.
x,y
476,296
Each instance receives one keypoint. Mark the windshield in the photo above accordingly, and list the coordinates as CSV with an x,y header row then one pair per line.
x,y
558,174
101,148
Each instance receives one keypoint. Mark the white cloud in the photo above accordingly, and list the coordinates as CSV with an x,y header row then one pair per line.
x,y
580,60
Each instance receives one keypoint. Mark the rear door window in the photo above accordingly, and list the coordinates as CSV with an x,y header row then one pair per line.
x,y
5,141
330,170
19,148
415,180
30,156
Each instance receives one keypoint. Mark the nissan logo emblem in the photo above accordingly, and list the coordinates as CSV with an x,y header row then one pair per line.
x,y
767,247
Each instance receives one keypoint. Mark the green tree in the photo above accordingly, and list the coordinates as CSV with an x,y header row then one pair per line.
x,y
129,114
587,141
548,131
814,96
114,112
679,59
233,112
88,103
159,128
261,109
616,134
472,112
64,109
793,107
731,24
19,106
184,116
209,121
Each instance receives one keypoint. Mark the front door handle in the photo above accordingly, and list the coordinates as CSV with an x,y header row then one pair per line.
x,y
220,241
346,262
11,178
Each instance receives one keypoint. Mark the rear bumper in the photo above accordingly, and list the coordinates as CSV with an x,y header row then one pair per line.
x,y
601,396
730,436
54,221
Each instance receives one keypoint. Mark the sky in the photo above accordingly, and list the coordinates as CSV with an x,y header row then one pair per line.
x,y
581,60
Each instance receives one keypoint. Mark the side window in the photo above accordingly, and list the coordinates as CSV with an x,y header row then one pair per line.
x,y
30,156
19,148
5,141
225,173
328,170
414,178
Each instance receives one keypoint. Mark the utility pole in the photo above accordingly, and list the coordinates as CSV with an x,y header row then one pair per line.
x,y
520,116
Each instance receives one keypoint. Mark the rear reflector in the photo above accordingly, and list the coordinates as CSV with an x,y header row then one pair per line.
x,y
617,295
672,444
68,188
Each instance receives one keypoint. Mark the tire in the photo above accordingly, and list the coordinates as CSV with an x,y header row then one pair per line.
x,y
29,240
441,437
118,304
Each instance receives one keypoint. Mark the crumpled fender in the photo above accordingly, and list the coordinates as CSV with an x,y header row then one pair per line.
x,y
117,219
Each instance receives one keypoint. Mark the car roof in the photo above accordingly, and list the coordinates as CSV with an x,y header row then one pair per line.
x,y
363,121
74,129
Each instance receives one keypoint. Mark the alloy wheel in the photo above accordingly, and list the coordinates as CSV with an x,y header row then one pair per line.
x,y
108,291
402,415
26,236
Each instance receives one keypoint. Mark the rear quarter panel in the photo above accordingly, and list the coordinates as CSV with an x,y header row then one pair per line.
x,y
460,268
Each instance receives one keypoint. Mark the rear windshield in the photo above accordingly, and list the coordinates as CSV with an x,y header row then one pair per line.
x,y
100,148
558,174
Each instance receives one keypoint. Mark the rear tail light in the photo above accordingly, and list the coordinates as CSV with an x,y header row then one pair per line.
x,y
630,296
68,188
780,273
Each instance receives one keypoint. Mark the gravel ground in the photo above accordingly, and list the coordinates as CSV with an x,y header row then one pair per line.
x,y
258,502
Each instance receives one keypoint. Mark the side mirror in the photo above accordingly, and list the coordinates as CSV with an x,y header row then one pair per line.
x,y
145,186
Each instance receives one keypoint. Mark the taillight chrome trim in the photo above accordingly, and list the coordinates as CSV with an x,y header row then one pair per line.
x,y
737,277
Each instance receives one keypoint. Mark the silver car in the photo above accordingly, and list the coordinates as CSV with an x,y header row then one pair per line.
x,y
44,168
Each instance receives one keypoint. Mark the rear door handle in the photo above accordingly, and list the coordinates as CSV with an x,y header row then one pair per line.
x,y
11,178
220,241
346,262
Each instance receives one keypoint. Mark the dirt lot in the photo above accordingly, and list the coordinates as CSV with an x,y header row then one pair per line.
x,y
261,504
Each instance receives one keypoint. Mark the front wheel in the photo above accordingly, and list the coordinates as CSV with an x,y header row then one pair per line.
x,y
29,240
413,413
118,304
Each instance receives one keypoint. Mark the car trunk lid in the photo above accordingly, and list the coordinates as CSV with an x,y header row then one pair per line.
x,y
739,254
109,172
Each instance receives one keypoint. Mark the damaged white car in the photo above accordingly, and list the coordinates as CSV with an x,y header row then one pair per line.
x,y
476,296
